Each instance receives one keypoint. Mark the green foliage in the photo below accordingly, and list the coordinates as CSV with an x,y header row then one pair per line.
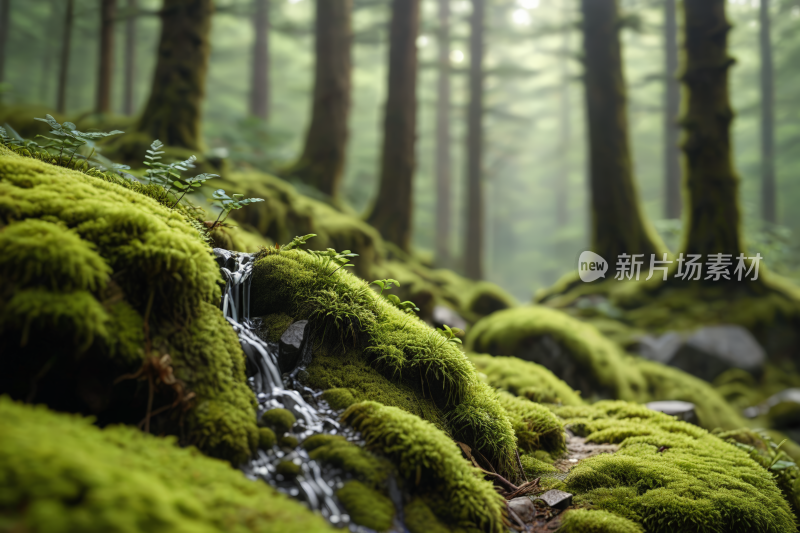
x,y
168,176
297,241
450,333
386,284
69,138
227,204
61,473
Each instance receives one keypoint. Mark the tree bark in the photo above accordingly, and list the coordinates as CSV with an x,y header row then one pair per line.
x,y
108,13
259,90
391,213
322,161
173,110
618,225
444,211
713,210
565,131
5,16
130,58
473,245
768,208
672,103
66,40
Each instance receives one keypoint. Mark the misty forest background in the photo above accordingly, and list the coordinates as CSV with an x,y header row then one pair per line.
x,y
536,219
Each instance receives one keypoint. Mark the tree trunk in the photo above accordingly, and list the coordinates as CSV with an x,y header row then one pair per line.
x,y
444,211
565,133
391,213
108,12
130,58
672,103
618,225
173,111
5,15
473,245
259,90
768,209
713,218
66,38
322,162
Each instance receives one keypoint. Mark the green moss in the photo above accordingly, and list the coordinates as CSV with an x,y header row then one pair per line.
x,y
273,326
486,298
670,475
535,426
281,420
366,506
339,398
526,379
266,438
289,441
288,469
536,468
420,519
586,521
60,473
426,457
338,452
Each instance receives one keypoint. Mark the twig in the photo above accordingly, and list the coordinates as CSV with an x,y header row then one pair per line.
x,y
519,464
516,518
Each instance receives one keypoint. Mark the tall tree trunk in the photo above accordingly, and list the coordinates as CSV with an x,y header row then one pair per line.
x,y
473,245
391,213
322,162
618,225
49,50
66,40
130,57
173,110
712,184
672,103
444,211
768,209
5,16
259,89
565,131
108,12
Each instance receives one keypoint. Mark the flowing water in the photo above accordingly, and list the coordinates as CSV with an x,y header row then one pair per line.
x,y
316,484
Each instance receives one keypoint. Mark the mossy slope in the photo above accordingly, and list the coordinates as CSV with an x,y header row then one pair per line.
x,y
60,473
98,277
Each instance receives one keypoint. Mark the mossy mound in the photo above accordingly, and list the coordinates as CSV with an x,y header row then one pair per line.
x,y
355,328
586,521
366,506
670,475
535,426
602,365
338,452
101,286
281,420
60,473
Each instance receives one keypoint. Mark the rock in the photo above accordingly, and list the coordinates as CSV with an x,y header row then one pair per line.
x,y
523,507
782,408
708,352
291,347
557,499
225,259
444,315
683,410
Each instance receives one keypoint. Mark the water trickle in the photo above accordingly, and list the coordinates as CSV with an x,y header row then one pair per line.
x,y
316,484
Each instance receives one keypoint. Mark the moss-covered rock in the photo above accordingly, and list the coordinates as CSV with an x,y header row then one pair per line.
x,y
266,438
366,506
102,283
339,398
587,521
281,420
420,518
288,469
334,450
60,473
535,426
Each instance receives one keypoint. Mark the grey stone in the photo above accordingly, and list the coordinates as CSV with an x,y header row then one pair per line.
x,y
443,315
291,346
557,499
683,410
707,352
782,408
523,507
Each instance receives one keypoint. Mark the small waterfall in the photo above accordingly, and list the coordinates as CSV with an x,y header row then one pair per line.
x,y
317,483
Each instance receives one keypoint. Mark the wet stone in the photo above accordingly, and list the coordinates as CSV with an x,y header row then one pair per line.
x,y
523,507
291,346
558,499
682,410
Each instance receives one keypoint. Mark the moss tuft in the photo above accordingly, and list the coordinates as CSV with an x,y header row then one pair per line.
x,y
535,426
339,398
266,438
586,521
338,452
281,420
288,469
272,327
536,468
366,506
288,441
420,519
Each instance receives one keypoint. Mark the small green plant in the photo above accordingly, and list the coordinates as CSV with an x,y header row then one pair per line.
x,y
450,333
168,176
229,204
387,284
298,241
332,257
70,140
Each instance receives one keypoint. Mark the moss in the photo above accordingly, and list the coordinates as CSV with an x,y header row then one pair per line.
x,y
288,469
338,452
288,441
398,346
535,426
366,507
60,473
536,468
526,379
426,457
266,438
586,521
275,325
339,398
281,420
669,475
487,298
420,519
103,276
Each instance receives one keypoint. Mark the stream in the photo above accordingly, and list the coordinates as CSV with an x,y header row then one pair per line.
x,y
316,484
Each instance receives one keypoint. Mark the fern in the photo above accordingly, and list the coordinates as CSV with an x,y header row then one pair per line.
x,y
229,204
70,140
168,176
297,241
